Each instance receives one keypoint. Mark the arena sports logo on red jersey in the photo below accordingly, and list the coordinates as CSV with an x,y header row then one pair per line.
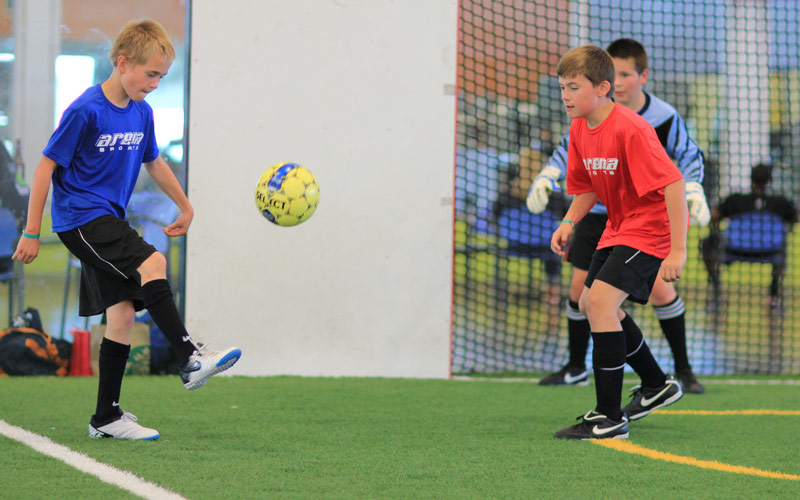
x,y
119,141
606,165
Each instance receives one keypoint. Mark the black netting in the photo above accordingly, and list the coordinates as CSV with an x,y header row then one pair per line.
x,y
732,71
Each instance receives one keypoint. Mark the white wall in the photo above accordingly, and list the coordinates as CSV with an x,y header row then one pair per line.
x,y
360,92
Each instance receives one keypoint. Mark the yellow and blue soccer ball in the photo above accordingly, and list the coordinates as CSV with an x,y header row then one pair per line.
x,y
287,194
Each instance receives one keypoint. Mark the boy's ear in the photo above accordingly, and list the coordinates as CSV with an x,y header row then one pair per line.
x,y
603,88
123,64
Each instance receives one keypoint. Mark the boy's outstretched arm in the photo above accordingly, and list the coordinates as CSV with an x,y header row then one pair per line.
x,y
579,207
166,181
678,212
28,248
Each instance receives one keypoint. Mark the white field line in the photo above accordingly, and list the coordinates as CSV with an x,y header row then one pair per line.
x,y
705,382
106,473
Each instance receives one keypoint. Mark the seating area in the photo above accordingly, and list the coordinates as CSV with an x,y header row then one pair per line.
x,y
755,237
9,272
499,225
516,232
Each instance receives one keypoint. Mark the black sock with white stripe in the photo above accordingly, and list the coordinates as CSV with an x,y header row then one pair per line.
x,y
672,318
608,363
158,300
111,365
639,356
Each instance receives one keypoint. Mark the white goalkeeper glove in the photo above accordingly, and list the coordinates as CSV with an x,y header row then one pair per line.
x,y
698,206
544,183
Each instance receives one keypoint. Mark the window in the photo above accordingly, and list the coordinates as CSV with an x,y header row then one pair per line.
x,y
41,72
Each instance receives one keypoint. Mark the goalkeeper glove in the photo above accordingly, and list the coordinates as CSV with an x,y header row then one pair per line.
x,y
544,183
698,206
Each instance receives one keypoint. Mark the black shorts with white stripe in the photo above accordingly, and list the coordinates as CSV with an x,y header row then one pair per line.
x,y
110,251
627,269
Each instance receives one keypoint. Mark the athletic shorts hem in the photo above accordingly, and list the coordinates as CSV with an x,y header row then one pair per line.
x,y
138,305
111,252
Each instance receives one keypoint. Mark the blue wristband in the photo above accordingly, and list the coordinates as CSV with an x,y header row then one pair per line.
x,y
31,236
568,221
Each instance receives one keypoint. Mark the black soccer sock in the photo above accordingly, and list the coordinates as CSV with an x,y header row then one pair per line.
x,y
579,335
608,364
672,318
639,356
112,361
158,300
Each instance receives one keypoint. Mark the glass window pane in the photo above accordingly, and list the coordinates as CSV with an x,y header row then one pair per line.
x,y
85,31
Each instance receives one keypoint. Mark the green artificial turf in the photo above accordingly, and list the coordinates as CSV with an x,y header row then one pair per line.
x,y
289,437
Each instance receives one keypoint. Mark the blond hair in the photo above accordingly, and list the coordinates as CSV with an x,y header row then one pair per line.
x,y
138,40
590,61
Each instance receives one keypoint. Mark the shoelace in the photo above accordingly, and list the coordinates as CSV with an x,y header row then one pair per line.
x,y
206,351
638,387
583,417
202,349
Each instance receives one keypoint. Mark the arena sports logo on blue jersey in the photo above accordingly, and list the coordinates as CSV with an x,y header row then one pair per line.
x,y
119,141
607,165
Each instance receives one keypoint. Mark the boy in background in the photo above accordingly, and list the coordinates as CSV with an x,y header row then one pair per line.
x,y
631,72
615,157
93,160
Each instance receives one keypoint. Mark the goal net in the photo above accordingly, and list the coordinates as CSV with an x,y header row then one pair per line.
x,y
732,71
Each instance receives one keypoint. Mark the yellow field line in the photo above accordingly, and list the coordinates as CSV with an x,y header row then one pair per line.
x,y
728,412
628,447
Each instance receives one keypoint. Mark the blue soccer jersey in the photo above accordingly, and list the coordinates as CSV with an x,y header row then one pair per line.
x,y
99,149
671,131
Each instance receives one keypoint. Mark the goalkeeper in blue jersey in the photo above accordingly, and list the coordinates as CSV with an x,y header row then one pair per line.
x,y
630,64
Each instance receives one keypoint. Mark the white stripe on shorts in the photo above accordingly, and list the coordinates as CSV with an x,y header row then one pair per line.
x,y
634,255
98,255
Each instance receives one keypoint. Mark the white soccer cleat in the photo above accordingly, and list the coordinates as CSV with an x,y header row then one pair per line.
x,y
205,363
125,428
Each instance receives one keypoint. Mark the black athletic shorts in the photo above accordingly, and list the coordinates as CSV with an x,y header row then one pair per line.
x,y
626,268
584,240
110,251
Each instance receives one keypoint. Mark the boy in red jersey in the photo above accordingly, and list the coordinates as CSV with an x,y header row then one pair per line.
x,y
615,156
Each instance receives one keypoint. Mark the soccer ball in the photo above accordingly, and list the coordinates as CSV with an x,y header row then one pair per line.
x,y
287,194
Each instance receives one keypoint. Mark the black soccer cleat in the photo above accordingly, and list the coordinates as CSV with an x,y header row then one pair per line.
x,y
569,375
689,382
644,400
595,425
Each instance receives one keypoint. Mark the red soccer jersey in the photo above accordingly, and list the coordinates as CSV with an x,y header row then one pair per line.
x,y
623,162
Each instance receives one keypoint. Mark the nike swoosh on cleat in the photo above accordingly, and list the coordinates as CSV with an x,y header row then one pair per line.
x,y
648,402
569,379
602,432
